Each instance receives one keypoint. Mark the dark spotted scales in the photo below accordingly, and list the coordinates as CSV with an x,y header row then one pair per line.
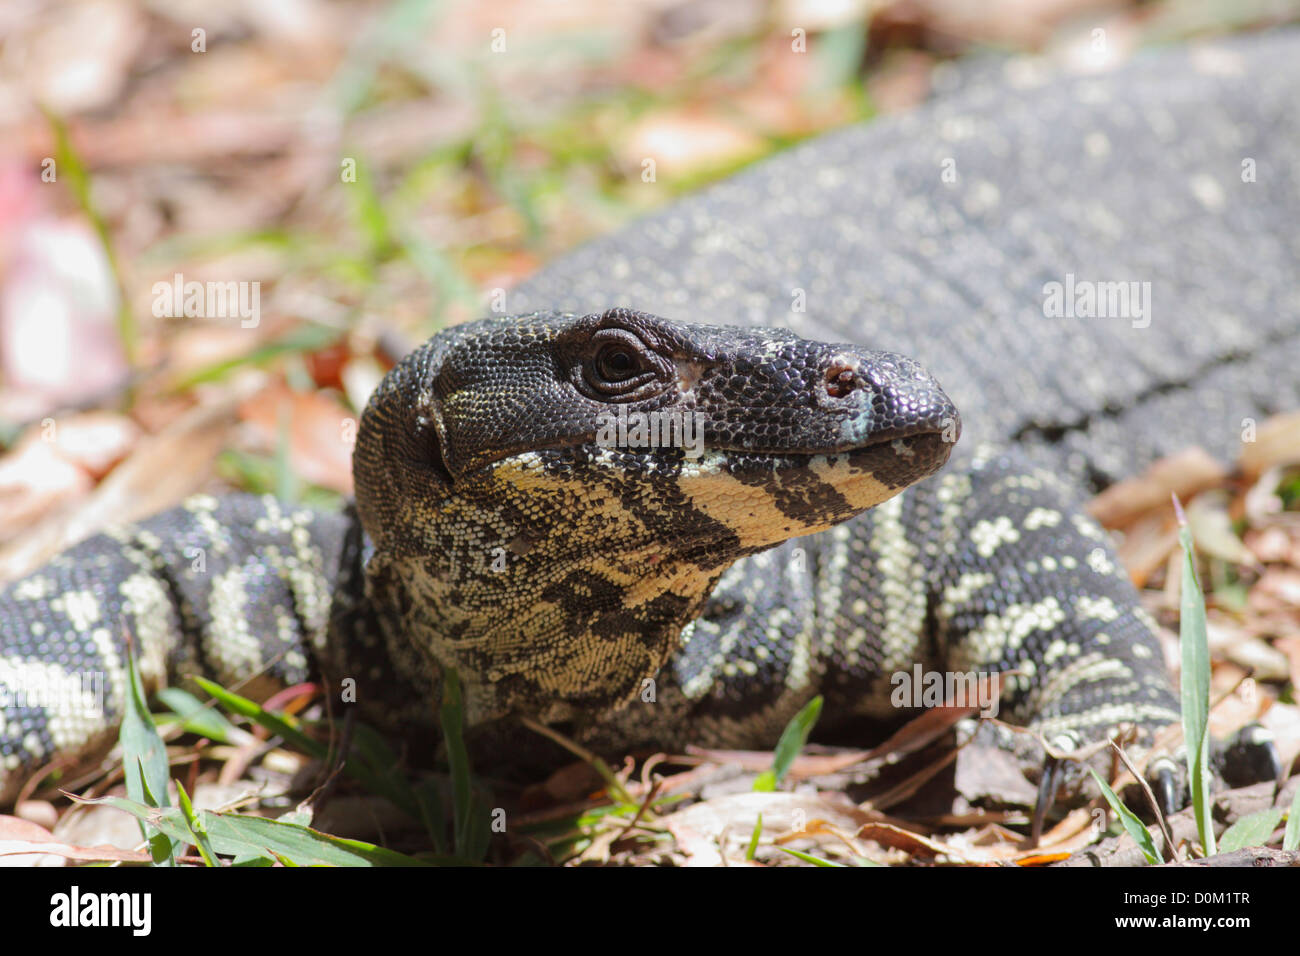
x,y
558,575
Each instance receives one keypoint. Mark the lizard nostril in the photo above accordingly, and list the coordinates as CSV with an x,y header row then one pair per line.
x,y
840,380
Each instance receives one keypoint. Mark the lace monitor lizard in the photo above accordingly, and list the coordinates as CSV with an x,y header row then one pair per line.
x,y
495,531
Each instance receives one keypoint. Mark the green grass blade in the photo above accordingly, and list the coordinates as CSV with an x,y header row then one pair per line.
x,y
234,835
792,741
1195,687
287,486
373,763
69,165
1251,830
195,718
1291,839
429,797
368,213
264,718
809,858
198,834
453,721
144,759
1132,825
753,840
380,782
306,338
441,272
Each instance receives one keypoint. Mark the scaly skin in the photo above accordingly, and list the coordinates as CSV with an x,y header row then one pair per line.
x,y
558,577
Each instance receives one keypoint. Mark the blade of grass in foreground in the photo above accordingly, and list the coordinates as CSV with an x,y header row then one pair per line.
x,y
144,760
792,741
809,858
374,781
753,840
69,162
231,834
1195,685
1291,839
198,834
1251,830
197,719
471,833
1132,825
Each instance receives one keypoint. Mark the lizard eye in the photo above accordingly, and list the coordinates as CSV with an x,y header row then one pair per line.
x,y
620,365
615,363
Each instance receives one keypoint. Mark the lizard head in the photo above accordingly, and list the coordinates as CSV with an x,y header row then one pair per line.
x,y
552,497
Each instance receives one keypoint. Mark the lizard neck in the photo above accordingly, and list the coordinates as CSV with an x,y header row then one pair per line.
x,y
560,609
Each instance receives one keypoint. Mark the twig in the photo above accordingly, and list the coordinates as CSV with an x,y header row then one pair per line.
x,y
1170,845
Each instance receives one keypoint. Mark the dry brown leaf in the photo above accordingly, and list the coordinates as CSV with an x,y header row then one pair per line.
x,y
95,441
36,481
804,765
911,785
23,843
1278,588
1270,544
192,349
159,473
899,838
1230,641
986,773
1283,720
863,848
569,784
1290,646
1241,706
106,36
40,812
1211,527
1277,442
685,142
321,432
1146,546
986,846
1183,474
1263,505
1077,829
699,827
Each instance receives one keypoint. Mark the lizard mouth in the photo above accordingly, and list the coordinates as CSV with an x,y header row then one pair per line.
x,y
762,495
765,497
901,438
897,458
910,456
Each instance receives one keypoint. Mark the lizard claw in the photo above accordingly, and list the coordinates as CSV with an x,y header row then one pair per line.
x,y
1249,756
1165,777
1049,783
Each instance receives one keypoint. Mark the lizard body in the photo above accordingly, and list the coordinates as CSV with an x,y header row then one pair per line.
x,y
557,574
